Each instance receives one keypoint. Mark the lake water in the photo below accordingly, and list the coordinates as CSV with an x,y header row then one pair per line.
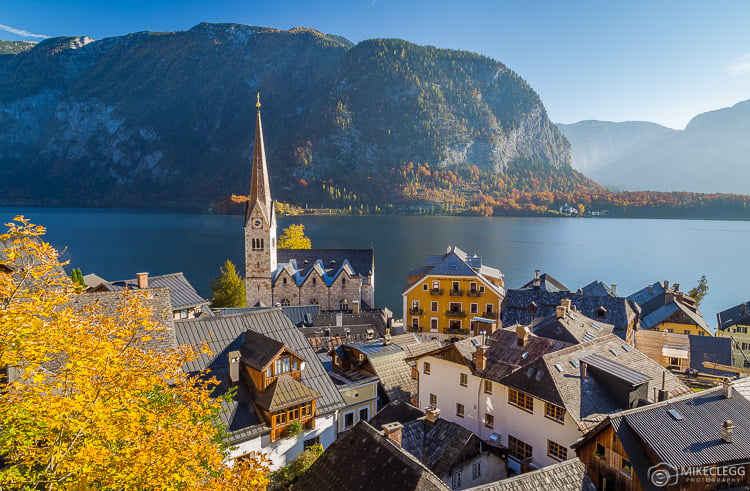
x,y
630,253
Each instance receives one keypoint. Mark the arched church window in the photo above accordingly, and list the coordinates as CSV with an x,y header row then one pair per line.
x,y
314,301
343,282
283,281
285,302
315,281
344,304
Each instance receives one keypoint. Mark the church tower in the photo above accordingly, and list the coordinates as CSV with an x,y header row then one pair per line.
x,y
260,228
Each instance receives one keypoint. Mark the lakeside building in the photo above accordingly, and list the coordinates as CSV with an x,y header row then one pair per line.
x,y
335,279
669,309
535,395
685,354
284,401
442,297
699,441
734,323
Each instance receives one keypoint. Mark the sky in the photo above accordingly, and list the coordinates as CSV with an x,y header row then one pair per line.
x,y
661,61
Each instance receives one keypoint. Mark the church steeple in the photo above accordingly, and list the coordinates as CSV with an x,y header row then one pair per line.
x,y
260,190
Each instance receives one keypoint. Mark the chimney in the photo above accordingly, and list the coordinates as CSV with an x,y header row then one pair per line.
x,y
536,274
726,388
614,289
522,333
142,280
743,308
579,291
560,312
676,287
666,285
234,366
662,395
355,307
566,302
432,414
727,428
392,431
387,338
650,289
584,370
480,358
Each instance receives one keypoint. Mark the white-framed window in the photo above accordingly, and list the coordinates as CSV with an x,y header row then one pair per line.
x,y
426,368
454,306
433,307
434,324
415,321
459,410
473,286
364,413
415,304
456,480
425,287
488,308
348,420
474,308
463,379
476,470
435,285
433,400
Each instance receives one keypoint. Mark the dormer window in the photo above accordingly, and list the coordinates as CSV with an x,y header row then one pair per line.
x,y
601,313
282,365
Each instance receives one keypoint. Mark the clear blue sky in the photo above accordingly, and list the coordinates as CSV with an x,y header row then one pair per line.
x,y
660,61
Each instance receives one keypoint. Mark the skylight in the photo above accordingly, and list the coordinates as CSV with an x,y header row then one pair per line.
x,y
525,355
673,412
626,347
539,375
530,372
596,326
613,351
475,342
575,363
558,367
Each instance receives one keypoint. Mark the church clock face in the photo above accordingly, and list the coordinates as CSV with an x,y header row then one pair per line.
x,y
257,223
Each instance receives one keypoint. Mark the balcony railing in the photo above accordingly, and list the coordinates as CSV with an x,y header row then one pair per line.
x,y
474,293
456,293
416,311
455,313
436,291
463,332
490,315
415,328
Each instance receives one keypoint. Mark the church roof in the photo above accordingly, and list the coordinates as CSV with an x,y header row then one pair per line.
x,y
329,263
260,189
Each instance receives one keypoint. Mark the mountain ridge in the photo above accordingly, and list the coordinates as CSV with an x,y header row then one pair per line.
x,y
167,118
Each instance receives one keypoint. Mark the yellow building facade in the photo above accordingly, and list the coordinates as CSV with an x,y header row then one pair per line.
x,y
442,297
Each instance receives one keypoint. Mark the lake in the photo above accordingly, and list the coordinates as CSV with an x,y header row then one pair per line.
x,y
628,252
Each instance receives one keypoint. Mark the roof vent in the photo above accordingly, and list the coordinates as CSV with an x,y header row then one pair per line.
x,y
305,262
726,389
675,415
333,261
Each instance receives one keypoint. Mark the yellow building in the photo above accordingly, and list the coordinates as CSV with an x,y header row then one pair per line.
x,y
444,296
670,310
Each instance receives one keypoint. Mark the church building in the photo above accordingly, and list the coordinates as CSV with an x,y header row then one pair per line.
x,y
335,279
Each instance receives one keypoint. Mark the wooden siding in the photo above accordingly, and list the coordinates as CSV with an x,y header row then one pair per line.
x,y
607,468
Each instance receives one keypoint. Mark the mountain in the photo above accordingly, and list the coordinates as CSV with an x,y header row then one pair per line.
x,y
596,144
14,47
710,155
166,119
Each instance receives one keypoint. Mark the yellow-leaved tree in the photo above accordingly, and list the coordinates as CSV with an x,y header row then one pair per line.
x,y
293,237
85,403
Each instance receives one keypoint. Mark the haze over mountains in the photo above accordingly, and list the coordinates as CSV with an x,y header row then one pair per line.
x,y
164,119
712,153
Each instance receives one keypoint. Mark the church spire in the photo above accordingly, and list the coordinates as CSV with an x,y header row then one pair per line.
x,y
260,191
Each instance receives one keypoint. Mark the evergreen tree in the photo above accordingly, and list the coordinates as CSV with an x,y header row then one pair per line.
x,y
700,290
293,237
228,289
77,277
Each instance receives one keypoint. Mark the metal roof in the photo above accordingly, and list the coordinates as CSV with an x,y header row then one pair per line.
x,y
739,314
615,369
565,476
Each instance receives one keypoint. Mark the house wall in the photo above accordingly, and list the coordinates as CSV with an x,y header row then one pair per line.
x,y
285,450
492,469
681,328
605,471
532,428
742,343
425,299
357,398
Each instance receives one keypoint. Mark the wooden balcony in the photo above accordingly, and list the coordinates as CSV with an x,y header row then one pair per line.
x,y
455,313
456,293
436,291
463,332
416,311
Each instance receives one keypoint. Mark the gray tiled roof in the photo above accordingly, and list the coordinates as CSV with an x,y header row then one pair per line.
x,y
669,311
158,299
300,315
739,314
362,261
589,401
395,411
620,312
547,283
456,262
258,350
226,333
565,476
573,327
182,292
598,289
643,297
363,459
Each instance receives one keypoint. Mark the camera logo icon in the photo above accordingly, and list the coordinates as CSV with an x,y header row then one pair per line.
x,y
662,474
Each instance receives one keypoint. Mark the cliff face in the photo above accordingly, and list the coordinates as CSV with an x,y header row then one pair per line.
x,y
166,119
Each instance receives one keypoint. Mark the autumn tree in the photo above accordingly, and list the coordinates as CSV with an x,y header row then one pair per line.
x,y
228,288
700,290
85,404
293,237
